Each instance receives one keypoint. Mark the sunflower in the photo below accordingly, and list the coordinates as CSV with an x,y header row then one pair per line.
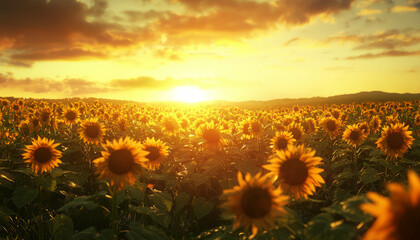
x,y
256,128
170,125
42,154
45,115
296,130
375,124
309,126
395,140
397,217
282,141
354,135
70,115
365,128
297,171
157,151
121,162
245,126
91,131
255,203
331,126
212,134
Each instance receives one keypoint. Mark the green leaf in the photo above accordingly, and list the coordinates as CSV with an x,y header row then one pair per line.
x,y
23,195
322,227
106,234
61,227
5,214
162,218
162,200
88,233
350,209
319,227
369,175
182,200
139,231
83,201
200,178
201,207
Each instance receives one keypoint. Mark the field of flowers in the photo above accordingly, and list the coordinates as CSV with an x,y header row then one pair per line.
x,y
103,170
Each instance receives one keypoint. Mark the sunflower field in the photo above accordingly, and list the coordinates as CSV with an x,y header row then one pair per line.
x,y
107,170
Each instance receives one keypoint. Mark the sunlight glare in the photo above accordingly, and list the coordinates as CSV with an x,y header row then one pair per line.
x,y
190,94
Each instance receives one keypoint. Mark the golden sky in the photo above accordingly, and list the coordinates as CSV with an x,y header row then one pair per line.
x,y
154,50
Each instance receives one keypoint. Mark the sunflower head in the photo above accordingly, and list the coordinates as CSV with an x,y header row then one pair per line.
x,y
212,134
157,152
91,131
255,203
354,135
395,140
296,169
170,125
375,124
282,141
42,154
256,128
397,217
331,126
296,130
121,162
365,128
70,115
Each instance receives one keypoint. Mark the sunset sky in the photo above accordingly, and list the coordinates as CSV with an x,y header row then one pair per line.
x,y
155,50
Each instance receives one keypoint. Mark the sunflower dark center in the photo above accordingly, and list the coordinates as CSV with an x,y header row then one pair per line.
x,y
246,129
331,126
354,135
43,155
92,131
71,115
294,172
281,143
297,134
395,140
407,223
45,116
256,202
212,136
15,107
170,126
256,127
121,161
154,153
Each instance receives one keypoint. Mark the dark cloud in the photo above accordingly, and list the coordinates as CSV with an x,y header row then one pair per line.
x,y
69,29
391,39
152,83
79,86
72,53
71,87
392,53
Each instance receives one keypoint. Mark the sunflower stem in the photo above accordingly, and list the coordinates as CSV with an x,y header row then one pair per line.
x,y
355,159
291,230
114,212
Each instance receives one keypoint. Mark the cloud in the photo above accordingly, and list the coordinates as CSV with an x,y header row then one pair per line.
x,y
37,30
401,9
71,87
393,53
291,41
72,53
390,39
146,82
368,12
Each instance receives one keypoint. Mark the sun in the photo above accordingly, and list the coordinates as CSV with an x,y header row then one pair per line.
x,y
189,94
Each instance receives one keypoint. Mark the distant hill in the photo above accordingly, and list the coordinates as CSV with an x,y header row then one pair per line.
x,y
374,96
